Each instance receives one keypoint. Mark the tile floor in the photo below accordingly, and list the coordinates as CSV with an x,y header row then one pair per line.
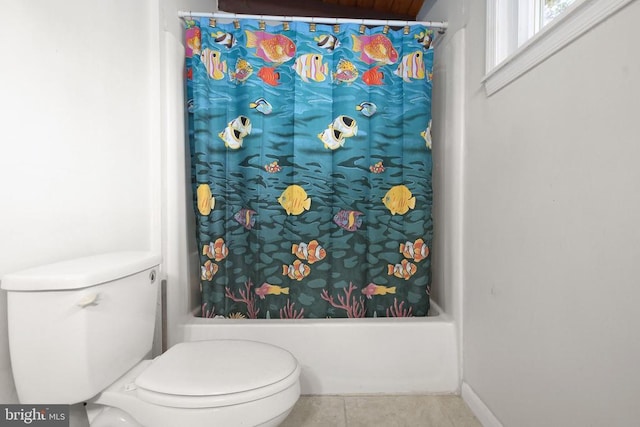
x,y
383,411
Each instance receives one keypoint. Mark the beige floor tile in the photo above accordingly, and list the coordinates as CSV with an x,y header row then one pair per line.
x,y
458,412
317,411
396,411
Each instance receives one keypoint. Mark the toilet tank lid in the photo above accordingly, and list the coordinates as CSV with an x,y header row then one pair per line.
x,y
80,272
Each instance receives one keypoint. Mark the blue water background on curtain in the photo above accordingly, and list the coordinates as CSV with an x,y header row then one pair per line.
x,y
261,130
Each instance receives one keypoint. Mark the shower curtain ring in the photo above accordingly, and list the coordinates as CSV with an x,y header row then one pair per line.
x,y
406,28
385,30
236,24
261,24
362,27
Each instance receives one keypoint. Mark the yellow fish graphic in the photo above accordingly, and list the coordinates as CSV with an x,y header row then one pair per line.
x,y
233,135
345,124
426,134
399,200
242,124
310,66
345,72
331,138
211,60
267,289
373,289
294,200
242,72
206,201
411,67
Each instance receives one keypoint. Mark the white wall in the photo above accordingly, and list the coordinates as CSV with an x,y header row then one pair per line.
x,y
551,237
454,12
448,175
77,173
181,261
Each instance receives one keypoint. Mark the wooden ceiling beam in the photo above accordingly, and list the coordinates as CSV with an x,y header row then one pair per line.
x,y
313,8
348,3
415,7
366,4
401,7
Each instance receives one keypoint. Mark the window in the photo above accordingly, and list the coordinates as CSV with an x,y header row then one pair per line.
x,y
550,9
523,33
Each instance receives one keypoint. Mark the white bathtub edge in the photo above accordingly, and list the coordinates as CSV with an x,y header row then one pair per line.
x,y
354,356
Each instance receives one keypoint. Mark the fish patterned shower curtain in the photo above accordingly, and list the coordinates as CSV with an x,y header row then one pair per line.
x,y
311,168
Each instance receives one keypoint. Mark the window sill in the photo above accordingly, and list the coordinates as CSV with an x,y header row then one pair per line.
x,y
578,19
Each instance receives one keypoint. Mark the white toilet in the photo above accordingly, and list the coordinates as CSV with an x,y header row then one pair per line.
x,y
79,330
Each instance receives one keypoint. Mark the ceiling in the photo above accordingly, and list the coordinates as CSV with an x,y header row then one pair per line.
x,y
357,9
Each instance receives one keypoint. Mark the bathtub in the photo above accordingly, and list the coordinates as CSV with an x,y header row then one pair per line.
x,y
354,356
338,356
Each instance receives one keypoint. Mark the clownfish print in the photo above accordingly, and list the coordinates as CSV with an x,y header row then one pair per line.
x,y
310,252
208,270
296,271
404,270
416,251
216,250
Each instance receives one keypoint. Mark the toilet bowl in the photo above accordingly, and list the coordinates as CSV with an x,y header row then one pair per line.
x,y
95,317
233,382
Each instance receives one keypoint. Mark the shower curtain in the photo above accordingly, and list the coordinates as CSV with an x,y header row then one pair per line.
x,y
311,168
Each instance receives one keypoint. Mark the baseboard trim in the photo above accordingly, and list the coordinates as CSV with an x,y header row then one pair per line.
x,y
479,409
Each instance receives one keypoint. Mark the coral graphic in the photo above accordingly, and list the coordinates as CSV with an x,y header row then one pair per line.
x,y
398,310
237,315
353,307
247,297
209,314
288,312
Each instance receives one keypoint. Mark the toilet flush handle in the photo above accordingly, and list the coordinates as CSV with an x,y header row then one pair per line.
x,y
89,299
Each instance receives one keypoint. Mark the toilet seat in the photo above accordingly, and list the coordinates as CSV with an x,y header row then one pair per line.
x,y
209,374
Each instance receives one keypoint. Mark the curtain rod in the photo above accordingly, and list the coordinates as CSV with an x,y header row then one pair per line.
x,y
317,20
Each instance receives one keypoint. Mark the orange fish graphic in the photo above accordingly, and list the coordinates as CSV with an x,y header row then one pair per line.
x,y
193,43
208,270
272,167
271,47
269,75
404,270
373,77
416,251
311,252
377,168
216,250
296,271
376,48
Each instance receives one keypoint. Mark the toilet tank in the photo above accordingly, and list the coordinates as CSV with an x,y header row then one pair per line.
x,y
76,326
